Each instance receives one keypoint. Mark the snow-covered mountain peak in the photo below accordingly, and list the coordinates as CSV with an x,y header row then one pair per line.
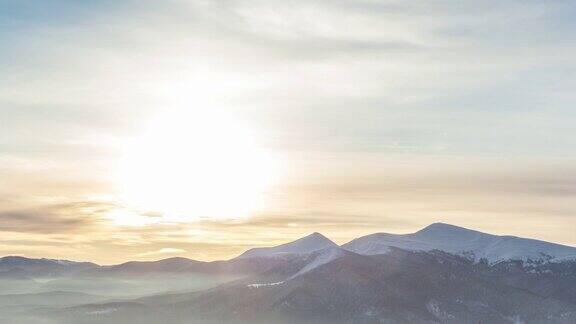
x,y
447,229
446,233
306,244
316,234
312,241
463,241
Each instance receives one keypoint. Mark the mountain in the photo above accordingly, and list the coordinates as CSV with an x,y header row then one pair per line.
x,y
42,267
438,236
440,274
462,241
398,287
307,244
170,265
185,267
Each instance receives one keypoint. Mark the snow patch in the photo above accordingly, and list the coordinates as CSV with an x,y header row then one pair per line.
x,y
324,256
516,319
102,311
434,308
260,285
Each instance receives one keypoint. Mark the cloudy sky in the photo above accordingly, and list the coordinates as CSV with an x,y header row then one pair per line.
x,y
148,129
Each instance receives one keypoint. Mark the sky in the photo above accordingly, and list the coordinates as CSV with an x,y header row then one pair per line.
x,y
140,130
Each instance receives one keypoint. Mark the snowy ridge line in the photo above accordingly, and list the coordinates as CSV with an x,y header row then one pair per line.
x,y
259,285
464,242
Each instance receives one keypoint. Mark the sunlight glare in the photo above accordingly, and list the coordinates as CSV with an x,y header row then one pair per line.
x,y
197,164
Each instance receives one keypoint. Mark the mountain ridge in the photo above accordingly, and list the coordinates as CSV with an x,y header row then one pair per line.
x,y
462,241
436,236
313,280
398,287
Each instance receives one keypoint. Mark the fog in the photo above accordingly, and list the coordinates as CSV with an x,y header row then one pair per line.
x,y
52,300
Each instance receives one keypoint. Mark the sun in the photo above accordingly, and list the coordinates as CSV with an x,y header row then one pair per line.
x,y
194,164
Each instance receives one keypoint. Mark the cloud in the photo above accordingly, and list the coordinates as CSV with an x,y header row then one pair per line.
x,y
37,222
434,86
162,251
72,217
421,74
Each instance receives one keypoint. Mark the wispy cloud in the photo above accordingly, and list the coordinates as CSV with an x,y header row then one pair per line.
x,y
54,218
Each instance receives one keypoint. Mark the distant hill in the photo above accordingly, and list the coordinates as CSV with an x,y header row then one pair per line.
x,y
42,267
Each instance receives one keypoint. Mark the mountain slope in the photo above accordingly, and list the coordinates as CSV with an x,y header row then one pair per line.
x,y
398,287
461,241
555,280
